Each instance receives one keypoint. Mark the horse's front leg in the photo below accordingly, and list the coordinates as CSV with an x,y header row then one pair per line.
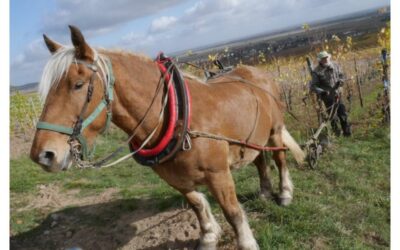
x,y
222,187
210,230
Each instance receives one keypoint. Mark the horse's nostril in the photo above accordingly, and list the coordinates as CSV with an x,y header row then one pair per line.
x,y
47,157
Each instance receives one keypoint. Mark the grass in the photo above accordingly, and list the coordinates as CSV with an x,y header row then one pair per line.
x,y
130,179
343,204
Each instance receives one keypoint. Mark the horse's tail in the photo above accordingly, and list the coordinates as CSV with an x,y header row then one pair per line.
x,y
289,142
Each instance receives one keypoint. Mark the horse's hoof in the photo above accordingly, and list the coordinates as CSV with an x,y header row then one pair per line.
x,y
208,242
207,246
251,245
285,201
265,196
204,247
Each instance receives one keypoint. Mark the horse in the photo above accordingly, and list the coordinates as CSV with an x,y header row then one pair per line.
x,y
250,111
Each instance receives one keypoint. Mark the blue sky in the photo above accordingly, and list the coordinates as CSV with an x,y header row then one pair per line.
x,y
153,25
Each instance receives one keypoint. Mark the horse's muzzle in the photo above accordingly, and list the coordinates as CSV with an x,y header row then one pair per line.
x,y
50,161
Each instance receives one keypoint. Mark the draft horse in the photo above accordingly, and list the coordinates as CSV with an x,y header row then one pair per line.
x,y
247,110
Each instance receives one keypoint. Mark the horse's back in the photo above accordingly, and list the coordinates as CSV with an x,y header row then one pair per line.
x,y
236,97
250,75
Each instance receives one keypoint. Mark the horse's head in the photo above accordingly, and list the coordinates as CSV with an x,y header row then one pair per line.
x,y
74,85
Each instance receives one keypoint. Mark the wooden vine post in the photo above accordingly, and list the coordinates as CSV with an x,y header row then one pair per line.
x,y
358,83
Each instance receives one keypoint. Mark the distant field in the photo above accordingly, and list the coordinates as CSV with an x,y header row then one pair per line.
x,y
293,42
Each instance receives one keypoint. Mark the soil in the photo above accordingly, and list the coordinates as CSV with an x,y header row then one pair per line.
x,y
20,144
104,221
75,221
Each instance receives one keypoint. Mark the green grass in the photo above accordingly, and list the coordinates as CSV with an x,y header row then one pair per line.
x,y
343,204
129,178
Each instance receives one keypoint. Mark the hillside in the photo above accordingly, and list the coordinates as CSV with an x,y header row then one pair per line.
x,y
343,204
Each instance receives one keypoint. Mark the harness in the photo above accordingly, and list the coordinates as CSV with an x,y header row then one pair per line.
x,y
179,107
176,137
76,140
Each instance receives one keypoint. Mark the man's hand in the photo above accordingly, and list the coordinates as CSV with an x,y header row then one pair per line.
x,y
320,91
324,93
338,84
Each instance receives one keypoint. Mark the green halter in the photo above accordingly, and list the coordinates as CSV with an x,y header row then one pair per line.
x,y
105,102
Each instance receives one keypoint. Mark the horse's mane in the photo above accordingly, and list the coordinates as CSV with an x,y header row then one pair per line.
x,y
59,64
124,52
193,77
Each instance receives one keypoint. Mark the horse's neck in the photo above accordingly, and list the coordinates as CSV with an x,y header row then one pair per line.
x,y
136,80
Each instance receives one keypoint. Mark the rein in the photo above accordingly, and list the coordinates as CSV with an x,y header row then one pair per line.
x,y
78,144
195,134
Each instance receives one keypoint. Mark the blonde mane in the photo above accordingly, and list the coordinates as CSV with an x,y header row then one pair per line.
x,y
59,64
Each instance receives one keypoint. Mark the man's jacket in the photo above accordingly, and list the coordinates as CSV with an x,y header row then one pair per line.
x,y
326,78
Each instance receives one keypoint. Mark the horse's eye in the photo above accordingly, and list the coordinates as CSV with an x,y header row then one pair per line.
x,y
78,84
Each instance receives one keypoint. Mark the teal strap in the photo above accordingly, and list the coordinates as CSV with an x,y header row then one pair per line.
x,y
88,120
94,114
108,122
110,89
103,103
64,130
84,146
92,151
54,127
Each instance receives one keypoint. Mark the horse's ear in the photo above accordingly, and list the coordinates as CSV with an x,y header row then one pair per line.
x,y
82,49
51,45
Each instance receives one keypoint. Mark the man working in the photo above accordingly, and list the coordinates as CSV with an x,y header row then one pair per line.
x,y
327,78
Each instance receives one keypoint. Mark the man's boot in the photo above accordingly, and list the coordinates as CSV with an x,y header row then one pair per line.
x,y
347,131
346,127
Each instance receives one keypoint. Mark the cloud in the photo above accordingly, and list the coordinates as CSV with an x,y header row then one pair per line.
x,y
163,23
98,17
215,21
93,17
204,22
28,66
136,40
223,14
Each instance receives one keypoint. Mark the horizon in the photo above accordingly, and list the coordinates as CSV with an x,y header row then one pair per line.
x,y
160,32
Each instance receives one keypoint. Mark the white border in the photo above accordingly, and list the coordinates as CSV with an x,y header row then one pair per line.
x,y
395,143
5,123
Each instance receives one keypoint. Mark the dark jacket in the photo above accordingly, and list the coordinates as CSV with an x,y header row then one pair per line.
x,y
326,78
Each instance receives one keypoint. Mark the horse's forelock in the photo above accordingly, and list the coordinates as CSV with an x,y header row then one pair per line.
x,y
59,64
54,69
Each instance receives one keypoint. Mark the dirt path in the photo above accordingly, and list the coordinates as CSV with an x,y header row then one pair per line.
x,y
106,222
103,221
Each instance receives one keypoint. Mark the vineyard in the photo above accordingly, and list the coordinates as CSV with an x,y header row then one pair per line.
x,y
360,67
24,112
363,70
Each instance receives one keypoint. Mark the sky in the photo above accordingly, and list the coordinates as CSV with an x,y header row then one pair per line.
x,y
154,25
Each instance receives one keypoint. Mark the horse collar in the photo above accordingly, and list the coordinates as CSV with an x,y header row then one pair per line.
x,y
176,136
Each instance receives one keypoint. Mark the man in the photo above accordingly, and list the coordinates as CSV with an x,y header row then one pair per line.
x,y
327,78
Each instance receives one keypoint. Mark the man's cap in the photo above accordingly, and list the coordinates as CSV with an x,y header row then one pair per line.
x,y
323,54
